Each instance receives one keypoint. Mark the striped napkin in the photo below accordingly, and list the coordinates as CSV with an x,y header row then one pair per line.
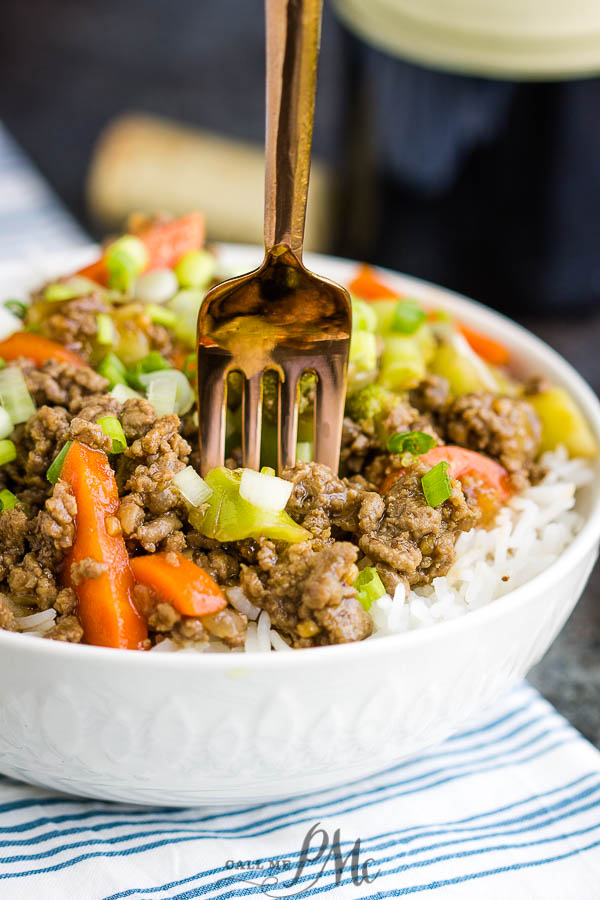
x,y
508,808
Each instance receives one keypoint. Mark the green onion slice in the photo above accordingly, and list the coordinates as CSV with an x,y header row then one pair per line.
x,y
364,317
196,269
408,317
191,486
8,500
8,452
54,469
415,442
160,315
369,587
113,369
152,362
112,427
125,258
6,426
16,307
14,396
123,392
169,392
106,334
436,484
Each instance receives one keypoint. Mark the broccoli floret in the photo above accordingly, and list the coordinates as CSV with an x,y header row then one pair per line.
x,y
370,403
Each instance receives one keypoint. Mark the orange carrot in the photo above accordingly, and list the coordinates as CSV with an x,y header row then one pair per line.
x,y
489,349
464,464
166,242
366,284
37,348
180,582
104,604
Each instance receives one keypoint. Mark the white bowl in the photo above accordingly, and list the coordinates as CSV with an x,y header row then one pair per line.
x,y
184,728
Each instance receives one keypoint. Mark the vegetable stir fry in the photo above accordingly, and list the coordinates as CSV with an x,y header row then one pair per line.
x,y
106,524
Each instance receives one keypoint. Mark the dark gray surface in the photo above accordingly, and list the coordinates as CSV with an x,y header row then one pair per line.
x,y
569,674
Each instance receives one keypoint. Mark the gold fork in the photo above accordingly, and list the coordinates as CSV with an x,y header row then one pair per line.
x,y
279,317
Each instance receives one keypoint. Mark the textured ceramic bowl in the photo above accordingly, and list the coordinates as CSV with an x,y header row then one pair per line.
x,y
186,729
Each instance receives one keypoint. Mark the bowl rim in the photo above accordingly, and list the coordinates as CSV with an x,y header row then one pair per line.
x,y
473,313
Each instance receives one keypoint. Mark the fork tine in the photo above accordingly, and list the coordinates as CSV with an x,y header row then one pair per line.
x,y
329,411
288,417
252,421
212,407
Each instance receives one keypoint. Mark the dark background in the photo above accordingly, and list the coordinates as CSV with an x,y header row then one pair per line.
x,y
488,187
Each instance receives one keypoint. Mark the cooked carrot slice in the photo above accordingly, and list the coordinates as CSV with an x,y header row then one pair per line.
x,y
179,581
367,285
37,348
104,604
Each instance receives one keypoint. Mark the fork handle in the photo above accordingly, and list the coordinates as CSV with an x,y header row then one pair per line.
x,y
293,31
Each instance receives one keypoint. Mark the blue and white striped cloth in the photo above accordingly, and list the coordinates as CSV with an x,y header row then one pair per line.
x,y
508,808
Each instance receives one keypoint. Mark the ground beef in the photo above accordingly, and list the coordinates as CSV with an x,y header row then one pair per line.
x,y
31,583
37,441
85,569
93,406
14,528
309,594
227,625
67,628
413,539
7,619
74,322
356,445
137,417
320,500
431,395
91,434
151,536
66,602
506,428
53,530
63,384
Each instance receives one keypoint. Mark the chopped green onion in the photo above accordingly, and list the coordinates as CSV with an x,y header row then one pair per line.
x,y
304,451
8,500
364,317
14,396
186,305
169,392
53,473
265,491
161,315
112,427
6,426
196,269
33,328
16,307
2,363
8,452
152,362
436,484
415,442
402,364
76,286
363,351
125,258
106,334
56,293
156,286
162,394
191,486
408,317
123,392
369,587
267,470
112,368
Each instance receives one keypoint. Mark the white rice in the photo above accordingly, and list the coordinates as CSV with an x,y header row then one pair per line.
x,y
528,535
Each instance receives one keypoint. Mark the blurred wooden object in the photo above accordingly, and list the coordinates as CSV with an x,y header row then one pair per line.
x,y
145,163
